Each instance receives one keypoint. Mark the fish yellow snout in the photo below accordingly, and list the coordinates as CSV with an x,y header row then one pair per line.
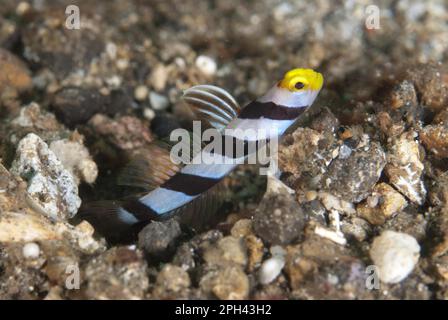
x,y
299,79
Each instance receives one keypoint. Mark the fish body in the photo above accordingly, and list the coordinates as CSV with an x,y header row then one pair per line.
x,y
266,118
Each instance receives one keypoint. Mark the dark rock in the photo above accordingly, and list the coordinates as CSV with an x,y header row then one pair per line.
x,y
162,125
410,222
75,105
353,178
119,101
345,279
403,95
439,190
305,154
60,49
435,140
158,239
279,219
325,121
124,133
321,269
430,82
438,228
401,104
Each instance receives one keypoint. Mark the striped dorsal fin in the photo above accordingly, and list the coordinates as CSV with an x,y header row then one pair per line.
x,y
149,169
212,104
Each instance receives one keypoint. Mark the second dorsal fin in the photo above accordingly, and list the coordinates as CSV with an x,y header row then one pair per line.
x,y
212,104
203,211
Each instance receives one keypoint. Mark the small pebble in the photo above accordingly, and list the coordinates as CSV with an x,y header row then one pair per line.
x,y
311,195
207,65
171,279
148,113
270,269
159,77
111,50
228,250
277,251
22,8
14,73
114,81
122,64
157,239
395,254
241,228
141,93
31,250
227,283
158,101
344,152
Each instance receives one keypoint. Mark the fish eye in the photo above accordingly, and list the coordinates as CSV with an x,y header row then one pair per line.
x,y
299,85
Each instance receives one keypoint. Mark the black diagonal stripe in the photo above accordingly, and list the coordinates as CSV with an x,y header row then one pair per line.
x,y
189,184
270,110
141,211
233,148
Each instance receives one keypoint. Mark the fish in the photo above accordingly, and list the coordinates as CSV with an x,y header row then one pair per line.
x,y
190,191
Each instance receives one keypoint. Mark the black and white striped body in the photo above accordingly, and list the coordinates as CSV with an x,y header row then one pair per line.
x,y
192,192
272,114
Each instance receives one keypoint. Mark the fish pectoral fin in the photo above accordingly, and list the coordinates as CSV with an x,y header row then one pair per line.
x,y
149,169
212,104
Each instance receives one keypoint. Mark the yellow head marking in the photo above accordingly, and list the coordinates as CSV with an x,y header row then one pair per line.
x,y
301,79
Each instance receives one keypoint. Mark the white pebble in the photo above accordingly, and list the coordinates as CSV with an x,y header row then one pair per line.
x,y
148,113
31,250
335,236
122,64
111,50
141,93
114,81
52,189
277,251
344,152
22,8
206,64
159,77
395,254
271,268
158,101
